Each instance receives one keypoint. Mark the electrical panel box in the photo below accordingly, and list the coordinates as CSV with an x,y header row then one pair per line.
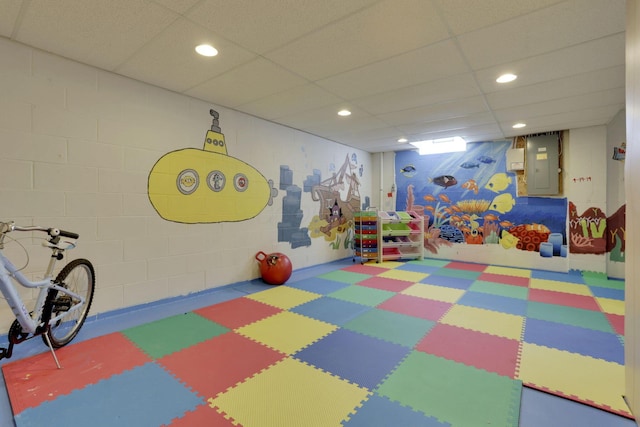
x,y
515,159
542,165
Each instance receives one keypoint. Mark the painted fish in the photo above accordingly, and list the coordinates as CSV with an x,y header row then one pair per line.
x,y
470,165
471,185
430,208
506,224
503,203
444,180
409,169
456,208
498,182
486,159
429,198
490,217
444,198
508,240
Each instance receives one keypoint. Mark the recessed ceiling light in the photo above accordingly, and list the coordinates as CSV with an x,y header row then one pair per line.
x,y
344,113
206,50
519,125
506,78
401,140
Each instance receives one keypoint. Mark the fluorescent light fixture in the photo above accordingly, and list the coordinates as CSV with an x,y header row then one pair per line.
x,y
401,140
206,50
519,125
439,146
506,78
344,113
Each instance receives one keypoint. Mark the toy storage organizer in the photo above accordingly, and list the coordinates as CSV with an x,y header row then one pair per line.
x,y
388,235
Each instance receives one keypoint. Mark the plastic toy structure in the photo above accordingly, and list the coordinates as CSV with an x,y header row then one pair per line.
x,y
275,268
207,186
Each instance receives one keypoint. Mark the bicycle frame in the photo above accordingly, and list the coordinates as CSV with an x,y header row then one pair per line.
x,y
32,323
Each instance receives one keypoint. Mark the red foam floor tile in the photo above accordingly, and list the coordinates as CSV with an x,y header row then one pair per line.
x,y
229,359
36,379
456,265
561,298
365,269
237,312
504,279
416,307
483,351
203,415
385,284
617,322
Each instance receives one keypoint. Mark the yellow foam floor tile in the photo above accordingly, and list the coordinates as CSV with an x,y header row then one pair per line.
x,y
286,331
508,271
290,393
284,297
407,276
491,322
611,306
553,285
433,292
573,375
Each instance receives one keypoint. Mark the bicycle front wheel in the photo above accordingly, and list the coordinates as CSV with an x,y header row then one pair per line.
x,y
79,277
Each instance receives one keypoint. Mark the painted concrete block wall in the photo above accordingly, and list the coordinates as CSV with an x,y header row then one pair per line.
x,y
77,148
585,182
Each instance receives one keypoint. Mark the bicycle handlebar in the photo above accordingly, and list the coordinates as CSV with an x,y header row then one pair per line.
x,y
6,227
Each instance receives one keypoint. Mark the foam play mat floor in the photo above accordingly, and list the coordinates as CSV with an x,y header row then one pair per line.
x,y
421,343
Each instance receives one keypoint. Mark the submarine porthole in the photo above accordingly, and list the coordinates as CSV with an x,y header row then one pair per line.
x,y
187,181
240,182
216,180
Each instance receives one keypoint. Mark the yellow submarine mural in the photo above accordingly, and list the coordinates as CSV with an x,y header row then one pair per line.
x,y
207,185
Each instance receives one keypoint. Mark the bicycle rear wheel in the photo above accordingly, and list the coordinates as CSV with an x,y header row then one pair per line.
x,y
79,277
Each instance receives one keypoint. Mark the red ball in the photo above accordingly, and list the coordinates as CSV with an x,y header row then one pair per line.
x,y
275,268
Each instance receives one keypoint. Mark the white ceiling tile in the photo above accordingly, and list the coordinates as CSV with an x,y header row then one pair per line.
x,y
170,60
96,32
248,82
290,101
448,124
9,11
579,84
424,94
382,31
179,6
441,111
543,31
263,25
462,19
433,62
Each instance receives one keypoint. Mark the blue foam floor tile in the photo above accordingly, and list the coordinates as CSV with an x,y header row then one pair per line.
x,y
318,285
106,404
418,268
380,411
571,276
355,357
448,281
617,294
331,310
500,303
588,342
542,409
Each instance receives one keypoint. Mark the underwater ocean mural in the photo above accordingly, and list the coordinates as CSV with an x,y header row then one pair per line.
x,y
470,198
338,198
207,185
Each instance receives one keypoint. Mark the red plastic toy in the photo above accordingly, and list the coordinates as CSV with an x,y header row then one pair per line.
x,y
275,268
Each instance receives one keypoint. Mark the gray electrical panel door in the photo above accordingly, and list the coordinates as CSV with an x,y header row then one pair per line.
x,y
542,165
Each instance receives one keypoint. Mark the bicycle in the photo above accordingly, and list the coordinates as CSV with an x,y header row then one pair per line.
x,y
62,304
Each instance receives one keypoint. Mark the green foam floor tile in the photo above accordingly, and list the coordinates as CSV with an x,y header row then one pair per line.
x,y
362,295
345,276
500,289
172,334
600,279
389,326
461,274
427,383
595,320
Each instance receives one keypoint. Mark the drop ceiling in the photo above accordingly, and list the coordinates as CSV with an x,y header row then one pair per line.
x,y
419,69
